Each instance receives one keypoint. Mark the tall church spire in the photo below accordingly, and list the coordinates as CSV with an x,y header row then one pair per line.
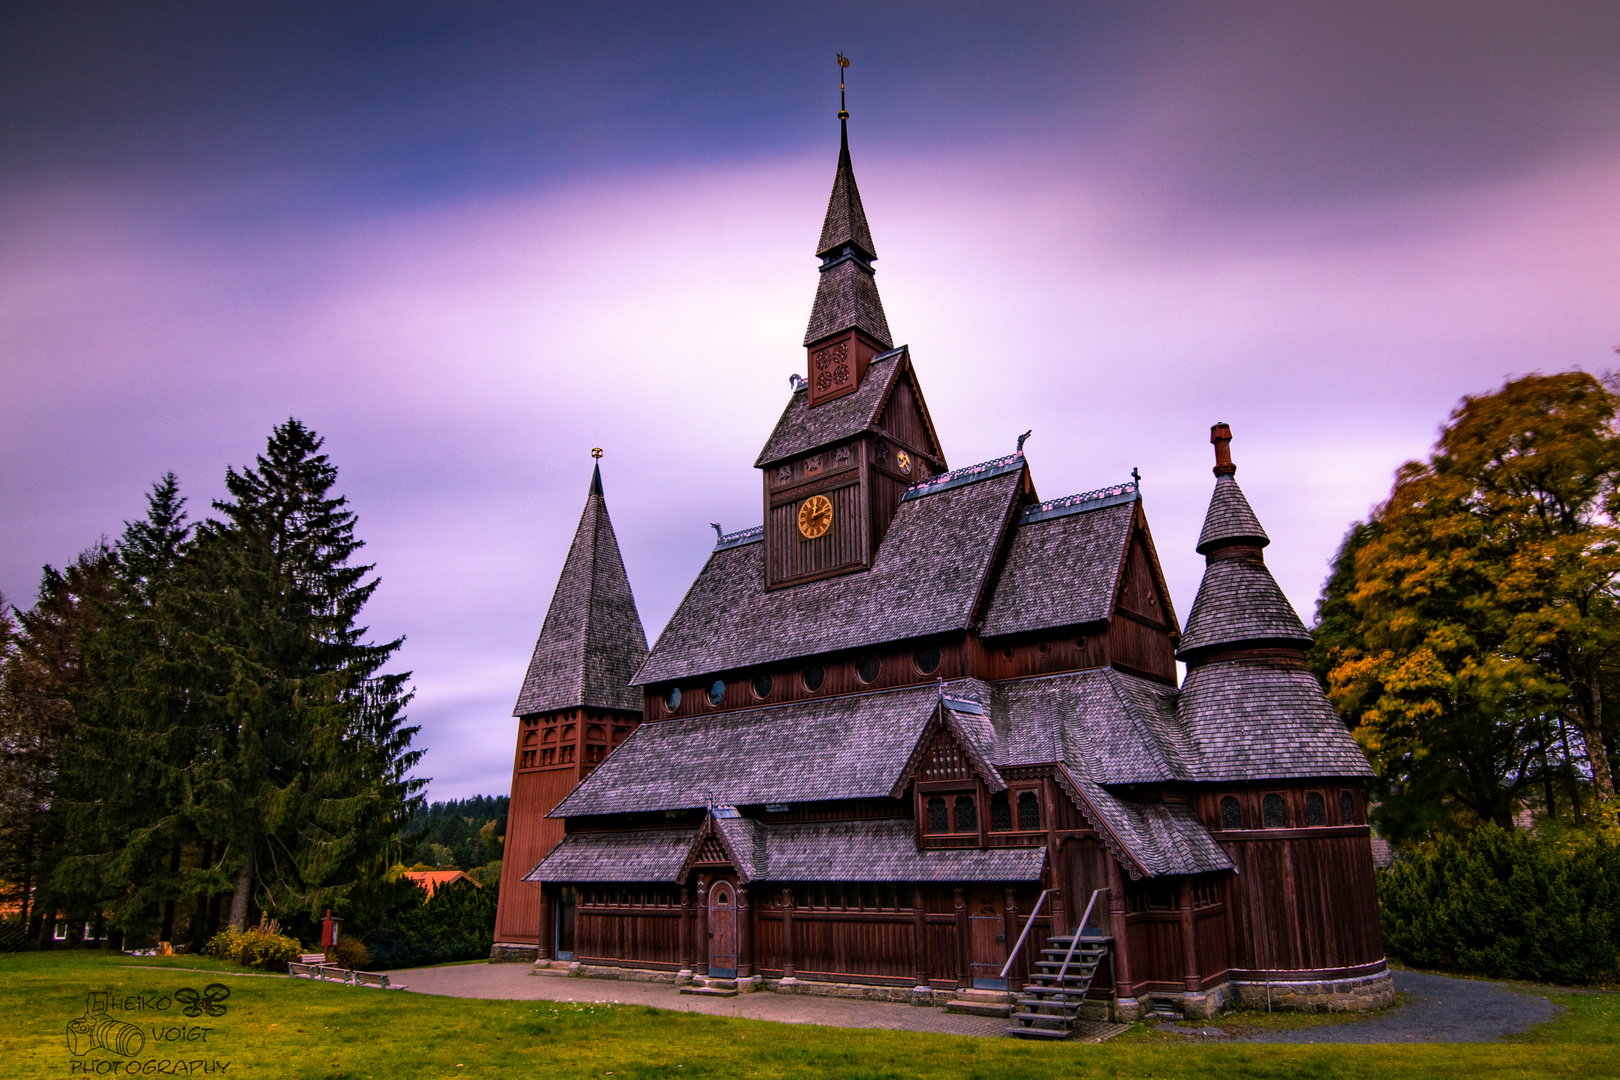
x,y
847,325
592,641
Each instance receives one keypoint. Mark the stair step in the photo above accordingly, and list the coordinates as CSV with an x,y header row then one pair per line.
x,y
977,1008
709,991
1038,1033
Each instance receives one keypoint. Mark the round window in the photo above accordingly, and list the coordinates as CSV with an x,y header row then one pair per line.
x,y
927,659
813,677
717,692
869,667
762,685
672,700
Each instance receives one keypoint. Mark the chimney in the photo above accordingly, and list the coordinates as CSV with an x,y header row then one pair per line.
x,y
1221,436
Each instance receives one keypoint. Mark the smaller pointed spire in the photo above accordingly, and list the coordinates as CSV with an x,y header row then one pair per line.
x,y
1230,519
596,473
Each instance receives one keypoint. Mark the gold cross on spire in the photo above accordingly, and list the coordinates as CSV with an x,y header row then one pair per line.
x,y
843,110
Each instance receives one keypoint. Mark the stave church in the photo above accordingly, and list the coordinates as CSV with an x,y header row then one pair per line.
x,y
919,736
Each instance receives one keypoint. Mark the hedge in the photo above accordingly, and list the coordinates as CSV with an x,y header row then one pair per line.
x,y
1508,904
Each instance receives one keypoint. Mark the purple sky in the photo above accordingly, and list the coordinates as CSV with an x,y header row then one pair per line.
x,y
466,242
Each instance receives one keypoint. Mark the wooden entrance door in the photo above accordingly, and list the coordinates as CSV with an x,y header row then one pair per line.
x,y
722,930
987,939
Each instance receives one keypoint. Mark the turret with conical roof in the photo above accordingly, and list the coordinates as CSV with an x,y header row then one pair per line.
x,y
1250,703
847,325
1239,605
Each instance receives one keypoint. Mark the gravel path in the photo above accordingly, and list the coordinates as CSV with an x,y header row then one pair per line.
x,y
1439,1009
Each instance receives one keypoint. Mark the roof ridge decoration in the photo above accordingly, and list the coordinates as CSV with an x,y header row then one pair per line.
x,y
753,535
1114,495
968,474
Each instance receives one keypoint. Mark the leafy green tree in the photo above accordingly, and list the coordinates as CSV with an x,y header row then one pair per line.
x,y
305,776
1470,628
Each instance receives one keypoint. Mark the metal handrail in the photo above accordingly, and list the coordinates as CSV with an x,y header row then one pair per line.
x,y
1029,922
1078,930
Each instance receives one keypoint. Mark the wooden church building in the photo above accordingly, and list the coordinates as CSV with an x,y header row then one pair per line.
x,y
920,732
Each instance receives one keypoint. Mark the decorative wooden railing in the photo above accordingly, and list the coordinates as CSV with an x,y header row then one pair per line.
x,y
1012,954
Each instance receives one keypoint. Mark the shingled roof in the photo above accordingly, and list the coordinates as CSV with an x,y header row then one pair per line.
x,y
801,429
591,642
1264,719
1229,519
1061,571
1239,602
839,748
927,578
1157,837
1108,726
876,851
846,295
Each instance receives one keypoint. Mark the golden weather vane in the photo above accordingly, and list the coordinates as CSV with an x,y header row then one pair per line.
x,y
843,110
596,451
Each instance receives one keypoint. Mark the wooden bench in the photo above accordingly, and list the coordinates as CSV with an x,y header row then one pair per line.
x,y
332,973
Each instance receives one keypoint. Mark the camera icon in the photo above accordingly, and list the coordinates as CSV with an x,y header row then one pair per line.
x,y
95,1030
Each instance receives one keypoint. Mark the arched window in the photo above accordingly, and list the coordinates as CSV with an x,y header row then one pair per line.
x,y
938,820
1231,813
1029,811
967,815
1276,816
1347,809
1000,812
1315,809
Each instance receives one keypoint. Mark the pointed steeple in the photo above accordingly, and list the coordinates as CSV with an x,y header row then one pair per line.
x,y
1239,604
592,641
847,325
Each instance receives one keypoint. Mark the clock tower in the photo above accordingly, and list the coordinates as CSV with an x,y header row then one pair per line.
x,y
856,433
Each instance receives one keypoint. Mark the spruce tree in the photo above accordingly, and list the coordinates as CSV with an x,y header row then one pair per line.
x,y
305,779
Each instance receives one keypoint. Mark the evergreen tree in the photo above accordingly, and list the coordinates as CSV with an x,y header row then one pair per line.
x,y
305,778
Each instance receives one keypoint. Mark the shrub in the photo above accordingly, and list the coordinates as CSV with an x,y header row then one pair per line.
x,y
458,923
349,952
262,946
1508,904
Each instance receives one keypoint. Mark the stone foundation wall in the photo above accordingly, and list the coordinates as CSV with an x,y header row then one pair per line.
x,y
505,952
1375,991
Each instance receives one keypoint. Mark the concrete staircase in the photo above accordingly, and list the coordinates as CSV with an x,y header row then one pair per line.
x,y
1051,1002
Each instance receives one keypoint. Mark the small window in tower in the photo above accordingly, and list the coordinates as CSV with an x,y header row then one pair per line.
x,y
1029,811
813,677
528,759
1231,813
1000,812
1315,809
938,822
717,692
672,700
1276,817
967,815
1347,808
762,685
869,667
927,659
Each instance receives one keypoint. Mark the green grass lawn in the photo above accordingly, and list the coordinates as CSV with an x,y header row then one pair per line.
x,y
277,1027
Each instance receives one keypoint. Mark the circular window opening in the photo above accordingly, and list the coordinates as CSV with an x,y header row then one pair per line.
x,y
672,700
1045,648
1006,654
869,667
717,692
762,685
1080,642
813,677
927,660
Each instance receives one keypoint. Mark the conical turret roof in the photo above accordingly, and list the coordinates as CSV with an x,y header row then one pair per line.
x,y
847,294
592,640
1239,603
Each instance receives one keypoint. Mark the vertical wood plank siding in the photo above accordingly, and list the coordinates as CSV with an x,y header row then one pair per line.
x,y
641,935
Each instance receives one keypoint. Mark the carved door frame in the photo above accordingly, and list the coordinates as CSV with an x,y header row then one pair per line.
x,y
987,938
723,940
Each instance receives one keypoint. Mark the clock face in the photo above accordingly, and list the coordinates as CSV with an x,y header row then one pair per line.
x,y
815,516
903,460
